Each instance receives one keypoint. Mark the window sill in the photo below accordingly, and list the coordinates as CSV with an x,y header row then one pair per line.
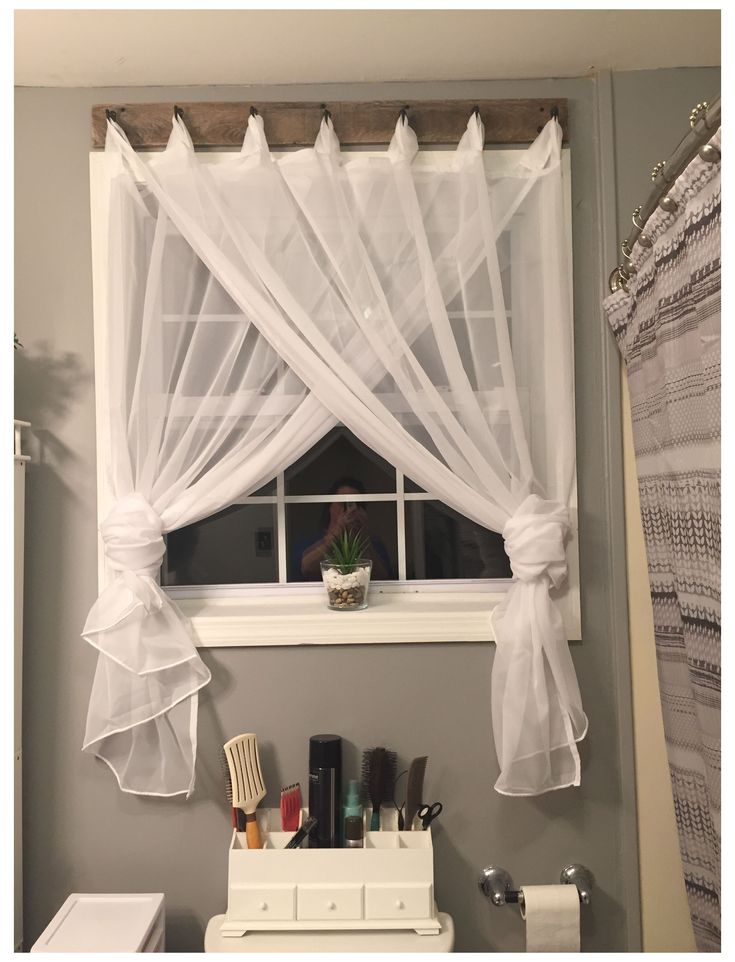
x,y
305,619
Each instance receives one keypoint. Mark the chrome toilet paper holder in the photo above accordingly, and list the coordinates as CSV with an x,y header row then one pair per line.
x,y
496,884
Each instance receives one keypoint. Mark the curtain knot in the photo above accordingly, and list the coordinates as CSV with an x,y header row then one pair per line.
x,y
534,540
133,535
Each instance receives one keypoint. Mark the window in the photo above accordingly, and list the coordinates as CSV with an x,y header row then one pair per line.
x,y
440,573
265,537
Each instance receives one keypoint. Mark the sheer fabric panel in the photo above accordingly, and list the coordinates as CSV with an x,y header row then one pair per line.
x,y
378,290
202,411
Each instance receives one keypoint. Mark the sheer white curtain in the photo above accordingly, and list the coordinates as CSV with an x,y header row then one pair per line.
x,y
375,288
202,410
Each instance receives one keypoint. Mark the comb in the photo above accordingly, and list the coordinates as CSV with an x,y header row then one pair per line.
x,y
414,790
290,807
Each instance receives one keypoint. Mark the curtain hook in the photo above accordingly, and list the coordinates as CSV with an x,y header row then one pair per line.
x,y
178,113
476,111
404,114
111,114
326,113
253,111
554,112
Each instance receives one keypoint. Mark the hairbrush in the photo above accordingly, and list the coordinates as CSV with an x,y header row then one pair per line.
x,y
378,777
228,785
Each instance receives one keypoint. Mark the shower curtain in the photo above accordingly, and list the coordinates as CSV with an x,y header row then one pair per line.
x,y
667,326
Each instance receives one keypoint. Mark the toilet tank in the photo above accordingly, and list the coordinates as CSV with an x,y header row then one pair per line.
x,y
128,922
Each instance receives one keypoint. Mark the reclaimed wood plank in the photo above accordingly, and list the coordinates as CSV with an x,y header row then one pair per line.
x,y
357,123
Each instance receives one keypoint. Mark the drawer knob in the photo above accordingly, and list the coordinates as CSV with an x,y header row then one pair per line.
x,y
263,906
331,906
400,904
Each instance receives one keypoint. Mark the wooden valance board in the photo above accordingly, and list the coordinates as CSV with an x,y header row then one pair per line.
x,y
221,124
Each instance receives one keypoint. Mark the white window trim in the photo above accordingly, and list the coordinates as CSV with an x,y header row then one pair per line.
x,y
398,612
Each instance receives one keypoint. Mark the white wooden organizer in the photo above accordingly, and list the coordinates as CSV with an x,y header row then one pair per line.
x,y
388,884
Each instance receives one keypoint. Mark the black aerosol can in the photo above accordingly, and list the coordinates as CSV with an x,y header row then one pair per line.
x,y
325,790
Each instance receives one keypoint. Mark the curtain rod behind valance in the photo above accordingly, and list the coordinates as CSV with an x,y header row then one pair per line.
x,y
357,123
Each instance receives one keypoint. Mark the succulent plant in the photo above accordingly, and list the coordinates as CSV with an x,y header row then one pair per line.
x,y
347,549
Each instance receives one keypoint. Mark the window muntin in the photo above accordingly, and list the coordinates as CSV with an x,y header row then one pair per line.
x,y
263,538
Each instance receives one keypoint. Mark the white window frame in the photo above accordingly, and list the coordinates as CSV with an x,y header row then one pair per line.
x,y
401,611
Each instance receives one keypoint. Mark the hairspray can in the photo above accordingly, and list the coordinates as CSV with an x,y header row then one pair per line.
x,y
325,789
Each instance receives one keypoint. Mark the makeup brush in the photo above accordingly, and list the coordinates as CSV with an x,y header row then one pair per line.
x,y
378,776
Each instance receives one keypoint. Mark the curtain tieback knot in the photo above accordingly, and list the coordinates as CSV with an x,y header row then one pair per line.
x,y
133,536
534,540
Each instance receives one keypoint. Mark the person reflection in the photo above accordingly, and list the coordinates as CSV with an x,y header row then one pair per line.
x,y
342,516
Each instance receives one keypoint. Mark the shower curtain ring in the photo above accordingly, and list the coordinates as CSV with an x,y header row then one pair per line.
x,y
658,169
636,217
404,114
111,114
326,112
701,108
253,111
178,112
618,280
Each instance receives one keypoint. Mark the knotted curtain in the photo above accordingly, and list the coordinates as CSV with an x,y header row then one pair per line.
x,y
256,301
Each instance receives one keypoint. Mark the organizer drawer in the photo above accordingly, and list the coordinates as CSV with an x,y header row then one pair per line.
x,y
391,901
262,902
342,901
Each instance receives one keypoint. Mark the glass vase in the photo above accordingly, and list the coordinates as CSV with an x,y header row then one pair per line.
x,y
347,585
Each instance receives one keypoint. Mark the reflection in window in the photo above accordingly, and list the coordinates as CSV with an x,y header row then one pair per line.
x,y
236,546
340,484
440,543
339,453
307,527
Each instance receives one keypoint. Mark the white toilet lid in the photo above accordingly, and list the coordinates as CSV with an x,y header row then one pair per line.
x,y
101,923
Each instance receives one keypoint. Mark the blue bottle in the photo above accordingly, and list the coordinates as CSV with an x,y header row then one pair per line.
x,y
352,805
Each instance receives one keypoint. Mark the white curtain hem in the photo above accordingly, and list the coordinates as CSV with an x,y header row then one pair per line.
x,y
144,721
148,671
131,791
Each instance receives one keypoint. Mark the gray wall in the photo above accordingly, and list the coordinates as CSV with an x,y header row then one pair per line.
x,y
81,832
651,110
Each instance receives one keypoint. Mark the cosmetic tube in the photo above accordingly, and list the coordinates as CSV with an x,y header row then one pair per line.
x,y
353,805
353,832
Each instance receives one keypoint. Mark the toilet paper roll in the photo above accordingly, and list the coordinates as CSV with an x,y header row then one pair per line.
x,y
551,913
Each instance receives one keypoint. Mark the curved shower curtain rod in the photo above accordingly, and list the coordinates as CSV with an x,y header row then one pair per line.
x,y
703,120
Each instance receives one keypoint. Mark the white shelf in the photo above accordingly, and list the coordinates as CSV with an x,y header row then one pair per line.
x,y
306,620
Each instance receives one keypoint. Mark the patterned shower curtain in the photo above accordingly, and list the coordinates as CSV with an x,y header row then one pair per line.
x,y
668,330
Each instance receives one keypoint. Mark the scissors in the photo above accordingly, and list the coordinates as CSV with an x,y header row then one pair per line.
x,y
427,814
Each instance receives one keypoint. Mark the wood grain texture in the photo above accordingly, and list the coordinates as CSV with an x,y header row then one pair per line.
x,y
357,123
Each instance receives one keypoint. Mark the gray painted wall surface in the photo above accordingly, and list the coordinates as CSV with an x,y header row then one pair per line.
x,y
651,111
81,833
